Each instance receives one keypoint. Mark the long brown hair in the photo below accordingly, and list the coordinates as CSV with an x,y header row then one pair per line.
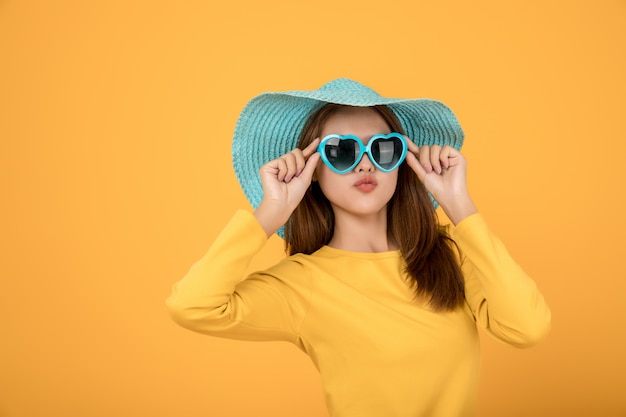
x,y
412,224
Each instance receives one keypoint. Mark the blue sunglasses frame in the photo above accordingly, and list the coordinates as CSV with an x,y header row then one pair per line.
x,y
363,149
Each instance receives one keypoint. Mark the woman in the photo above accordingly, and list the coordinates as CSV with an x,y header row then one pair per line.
x,y
384,300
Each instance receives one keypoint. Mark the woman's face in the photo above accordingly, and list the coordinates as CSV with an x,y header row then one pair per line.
x,y
364,190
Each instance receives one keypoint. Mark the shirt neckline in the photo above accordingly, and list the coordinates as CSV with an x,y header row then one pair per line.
x,y
334,252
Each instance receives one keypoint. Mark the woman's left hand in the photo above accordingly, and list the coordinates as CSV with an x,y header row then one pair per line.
x,y
443,170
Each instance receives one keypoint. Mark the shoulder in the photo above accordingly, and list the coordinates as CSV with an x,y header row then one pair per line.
x,y
301,268
292,270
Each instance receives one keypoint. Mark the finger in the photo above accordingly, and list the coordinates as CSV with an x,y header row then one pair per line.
x,y
435,152
312,148
271,168
309,169
444,157
415,165
300,161
424,158
281,166
290,161
412,147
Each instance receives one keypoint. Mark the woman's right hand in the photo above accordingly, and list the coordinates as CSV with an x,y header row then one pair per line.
x,y
285,180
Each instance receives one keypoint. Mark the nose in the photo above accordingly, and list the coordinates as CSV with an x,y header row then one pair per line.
x,y
365,164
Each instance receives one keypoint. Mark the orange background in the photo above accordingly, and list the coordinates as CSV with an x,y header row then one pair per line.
x,y
115,125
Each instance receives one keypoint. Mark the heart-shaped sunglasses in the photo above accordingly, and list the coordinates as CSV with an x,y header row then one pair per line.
x,y
342,153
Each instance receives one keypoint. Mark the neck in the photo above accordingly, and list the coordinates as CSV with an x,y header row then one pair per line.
x,y
361,233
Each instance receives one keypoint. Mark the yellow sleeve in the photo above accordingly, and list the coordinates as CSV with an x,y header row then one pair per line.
x,y
215,297
504,300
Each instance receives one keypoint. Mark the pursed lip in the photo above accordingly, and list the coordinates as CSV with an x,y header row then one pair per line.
x,y
366,182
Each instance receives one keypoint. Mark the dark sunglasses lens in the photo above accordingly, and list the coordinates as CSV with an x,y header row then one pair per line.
x,y
387,152
341,153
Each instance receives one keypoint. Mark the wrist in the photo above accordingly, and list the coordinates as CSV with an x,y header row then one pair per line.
x,y
459,208
271,216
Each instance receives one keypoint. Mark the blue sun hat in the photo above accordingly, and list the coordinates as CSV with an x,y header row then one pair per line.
x,y
270,125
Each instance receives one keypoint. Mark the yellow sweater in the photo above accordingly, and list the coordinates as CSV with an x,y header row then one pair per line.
x,y
379,353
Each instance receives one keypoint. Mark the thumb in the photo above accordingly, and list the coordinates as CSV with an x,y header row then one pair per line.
x,y
412,161
309,167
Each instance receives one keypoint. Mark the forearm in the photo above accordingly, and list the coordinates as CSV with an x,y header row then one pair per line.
x,y
459,207
271,216
504,299
203,295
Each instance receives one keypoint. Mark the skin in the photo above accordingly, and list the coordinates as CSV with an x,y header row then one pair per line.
x,y
360,214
